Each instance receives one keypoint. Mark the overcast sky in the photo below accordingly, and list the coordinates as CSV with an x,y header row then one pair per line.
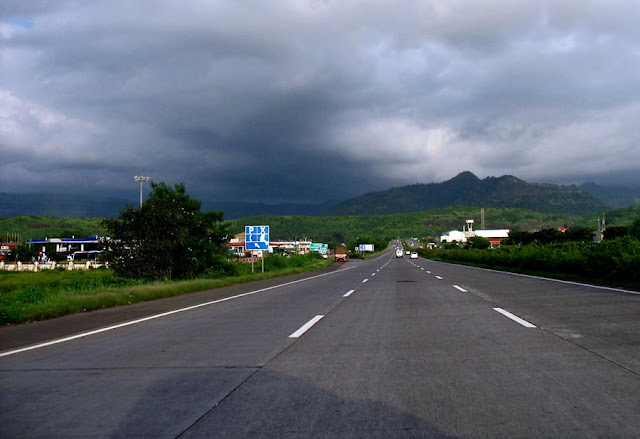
x,y
312,100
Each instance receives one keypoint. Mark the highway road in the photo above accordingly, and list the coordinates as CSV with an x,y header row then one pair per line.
x,y
384,348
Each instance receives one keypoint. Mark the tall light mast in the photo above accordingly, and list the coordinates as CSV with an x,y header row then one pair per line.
x,y
141,179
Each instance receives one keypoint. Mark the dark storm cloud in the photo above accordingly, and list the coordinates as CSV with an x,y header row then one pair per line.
x,y
315,100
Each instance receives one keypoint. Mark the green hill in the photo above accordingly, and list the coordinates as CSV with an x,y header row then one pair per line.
x,y
616,196
333,229
425,224
37,226
625,216
468,190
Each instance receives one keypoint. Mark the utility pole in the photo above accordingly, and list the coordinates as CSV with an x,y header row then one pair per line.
x,y
482,219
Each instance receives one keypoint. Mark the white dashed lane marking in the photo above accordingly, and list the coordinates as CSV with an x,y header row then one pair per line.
x,y
515,318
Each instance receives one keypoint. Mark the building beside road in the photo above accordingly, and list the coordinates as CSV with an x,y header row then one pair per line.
x,y
237,245
69,245
495,237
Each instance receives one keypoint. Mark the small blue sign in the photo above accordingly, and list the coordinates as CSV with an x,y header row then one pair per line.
x,y
256,237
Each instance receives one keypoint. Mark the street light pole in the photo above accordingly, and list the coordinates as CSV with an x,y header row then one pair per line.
x,y
141,179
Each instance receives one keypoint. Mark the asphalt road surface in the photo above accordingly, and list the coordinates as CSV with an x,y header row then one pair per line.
x,y
384,348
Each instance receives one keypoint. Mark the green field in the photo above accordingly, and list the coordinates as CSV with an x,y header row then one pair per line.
x,y
29,296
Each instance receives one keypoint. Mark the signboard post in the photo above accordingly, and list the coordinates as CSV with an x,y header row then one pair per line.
x,y
256,238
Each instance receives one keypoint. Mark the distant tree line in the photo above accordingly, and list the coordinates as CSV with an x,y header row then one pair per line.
x,y
620,231
578,234
549,236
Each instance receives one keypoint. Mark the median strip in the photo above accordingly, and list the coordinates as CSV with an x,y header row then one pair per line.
x,y
514,318
306,326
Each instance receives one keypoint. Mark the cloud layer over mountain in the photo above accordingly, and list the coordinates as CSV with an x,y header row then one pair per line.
x,y
312,100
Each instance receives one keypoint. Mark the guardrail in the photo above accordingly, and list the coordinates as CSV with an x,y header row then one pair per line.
x,y
39,266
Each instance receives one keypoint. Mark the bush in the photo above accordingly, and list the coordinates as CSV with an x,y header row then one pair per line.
x,y
614,261
478,242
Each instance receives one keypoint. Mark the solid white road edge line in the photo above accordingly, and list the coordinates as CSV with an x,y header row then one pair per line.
x,y
164,314
580,284
460,288
515,318
348,293
304,328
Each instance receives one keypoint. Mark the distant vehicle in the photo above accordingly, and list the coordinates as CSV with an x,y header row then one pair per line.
x,y
399,253
407,252
414,255
342,254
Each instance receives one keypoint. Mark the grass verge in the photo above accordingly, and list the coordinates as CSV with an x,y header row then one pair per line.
x,y
27,296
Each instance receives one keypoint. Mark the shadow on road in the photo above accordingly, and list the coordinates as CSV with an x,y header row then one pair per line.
x,y
269,405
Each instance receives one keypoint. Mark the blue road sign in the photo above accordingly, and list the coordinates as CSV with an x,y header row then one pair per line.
x,y
256,237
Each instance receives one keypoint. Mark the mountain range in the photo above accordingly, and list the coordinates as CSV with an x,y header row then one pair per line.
x,y
465,189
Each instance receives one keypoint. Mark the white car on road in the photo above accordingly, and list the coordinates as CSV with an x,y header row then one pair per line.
x,y
414,255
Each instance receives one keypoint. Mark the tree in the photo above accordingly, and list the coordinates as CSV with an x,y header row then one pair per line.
x,y
24,253
479,242
519,237
169,237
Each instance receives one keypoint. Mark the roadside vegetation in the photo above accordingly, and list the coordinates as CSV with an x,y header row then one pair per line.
x,y
28,296
571,256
